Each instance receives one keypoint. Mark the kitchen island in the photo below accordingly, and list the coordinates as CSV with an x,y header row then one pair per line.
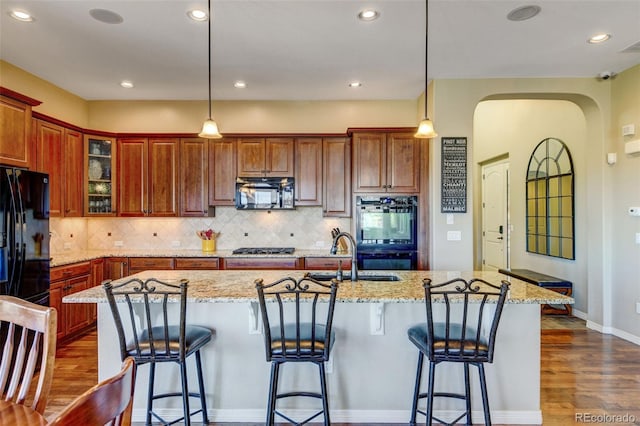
x,y
372,368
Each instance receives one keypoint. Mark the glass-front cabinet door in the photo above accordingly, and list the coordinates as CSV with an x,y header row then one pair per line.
x,y
99,161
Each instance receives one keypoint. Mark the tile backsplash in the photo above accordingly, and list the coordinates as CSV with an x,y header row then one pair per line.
x,y
303,228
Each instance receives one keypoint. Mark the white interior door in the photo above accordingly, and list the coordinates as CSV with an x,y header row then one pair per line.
x,y
495,216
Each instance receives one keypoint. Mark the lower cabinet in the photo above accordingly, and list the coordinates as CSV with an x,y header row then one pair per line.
x,y
97,276
197,263
116,267
66,280
329,263
262,263
139,264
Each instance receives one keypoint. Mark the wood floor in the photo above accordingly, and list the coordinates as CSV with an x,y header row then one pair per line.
x,y
583,373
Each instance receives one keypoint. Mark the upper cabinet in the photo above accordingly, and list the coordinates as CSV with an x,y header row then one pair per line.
x,y
60,156
336,177
16,143
222,172
386,162
269,157
308,176
99,162
194,177
148,176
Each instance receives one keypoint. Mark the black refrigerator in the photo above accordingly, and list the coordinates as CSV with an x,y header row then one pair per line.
x,y
24,235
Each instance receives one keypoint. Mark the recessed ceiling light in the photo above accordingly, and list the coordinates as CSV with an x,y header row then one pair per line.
x,y
197,15
106,16
368,15
355,84
523,13
126,84
599,38
240,84
21,15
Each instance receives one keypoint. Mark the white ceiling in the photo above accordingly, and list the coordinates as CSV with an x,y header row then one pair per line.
x,y
310,49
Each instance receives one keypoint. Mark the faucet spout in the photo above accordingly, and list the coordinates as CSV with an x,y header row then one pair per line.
x,y
354,254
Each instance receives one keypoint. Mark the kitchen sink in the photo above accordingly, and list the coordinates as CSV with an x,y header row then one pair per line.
x,y
323,276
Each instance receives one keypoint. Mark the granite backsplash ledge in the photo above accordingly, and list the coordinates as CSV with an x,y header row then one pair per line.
x,y
303,228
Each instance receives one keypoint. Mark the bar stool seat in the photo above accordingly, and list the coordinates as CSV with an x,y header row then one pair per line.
x,y
150,343
465,333
297,329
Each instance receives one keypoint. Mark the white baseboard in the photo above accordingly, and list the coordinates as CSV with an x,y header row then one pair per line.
x,y
614,331
349,416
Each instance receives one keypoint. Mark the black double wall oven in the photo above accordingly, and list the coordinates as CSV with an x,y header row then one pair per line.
x,y
386,232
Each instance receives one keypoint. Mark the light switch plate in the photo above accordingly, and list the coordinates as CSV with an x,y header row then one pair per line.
x,y
118,243
628,130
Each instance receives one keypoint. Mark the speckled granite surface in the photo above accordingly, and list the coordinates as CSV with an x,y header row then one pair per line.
x,y
61,259
238,286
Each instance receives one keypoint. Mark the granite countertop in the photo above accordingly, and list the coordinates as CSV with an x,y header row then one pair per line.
x,y
61,259
238,286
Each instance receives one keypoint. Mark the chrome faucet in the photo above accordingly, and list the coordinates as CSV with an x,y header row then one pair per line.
x,y
354,256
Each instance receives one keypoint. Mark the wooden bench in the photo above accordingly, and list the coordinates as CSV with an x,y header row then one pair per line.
x,y
547,281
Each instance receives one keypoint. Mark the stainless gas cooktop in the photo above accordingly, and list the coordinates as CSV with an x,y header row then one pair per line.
x,y
264,250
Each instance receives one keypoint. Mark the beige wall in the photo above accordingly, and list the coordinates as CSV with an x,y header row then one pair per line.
x,y
625,192
523,124
56,102
251,116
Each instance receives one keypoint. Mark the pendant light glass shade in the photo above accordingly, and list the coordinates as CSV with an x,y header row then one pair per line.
x,y
425,130
210,127
210,130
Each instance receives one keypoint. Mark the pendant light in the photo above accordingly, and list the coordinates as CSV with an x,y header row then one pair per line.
x,y
209,128
425,128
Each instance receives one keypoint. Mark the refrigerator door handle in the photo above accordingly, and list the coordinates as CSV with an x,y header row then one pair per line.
x,y
11,229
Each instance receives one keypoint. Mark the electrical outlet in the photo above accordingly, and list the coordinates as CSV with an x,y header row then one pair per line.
x,y
454,235
175,243
67,246
637,307
118,243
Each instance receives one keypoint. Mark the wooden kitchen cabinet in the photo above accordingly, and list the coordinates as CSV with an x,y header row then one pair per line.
x,y
308,176
16,143
222,172
60,155
336,177
66,280
327,263
148,177
261,263
97,276
139,264
192,263
269,157
116,267
194,177
386,162
73,173
99,164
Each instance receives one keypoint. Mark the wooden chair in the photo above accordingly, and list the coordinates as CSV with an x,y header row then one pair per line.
x,y
28,337
108,402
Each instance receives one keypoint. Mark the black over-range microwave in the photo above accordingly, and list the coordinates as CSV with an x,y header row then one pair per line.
x,y
264,193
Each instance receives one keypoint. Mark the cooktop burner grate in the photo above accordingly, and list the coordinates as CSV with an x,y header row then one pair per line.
x,y
264,250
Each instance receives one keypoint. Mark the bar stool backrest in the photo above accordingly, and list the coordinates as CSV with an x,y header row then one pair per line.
x,y
466,330
28,338
140,335
297,326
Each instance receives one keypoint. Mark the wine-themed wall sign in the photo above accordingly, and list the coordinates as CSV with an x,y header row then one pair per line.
x,y
454,175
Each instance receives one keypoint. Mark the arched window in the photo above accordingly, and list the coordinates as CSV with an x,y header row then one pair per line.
x,y
550,224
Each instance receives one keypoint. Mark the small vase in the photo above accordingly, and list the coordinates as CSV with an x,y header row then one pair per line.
x,y
208,245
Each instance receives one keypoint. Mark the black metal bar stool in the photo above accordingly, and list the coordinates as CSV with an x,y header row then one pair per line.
x,y
164,341
297,329
465,333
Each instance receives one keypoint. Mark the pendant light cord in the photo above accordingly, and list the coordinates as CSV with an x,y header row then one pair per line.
x,y
209,56
426,56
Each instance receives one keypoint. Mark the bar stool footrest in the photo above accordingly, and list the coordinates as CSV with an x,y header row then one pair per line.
x,y
304,422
